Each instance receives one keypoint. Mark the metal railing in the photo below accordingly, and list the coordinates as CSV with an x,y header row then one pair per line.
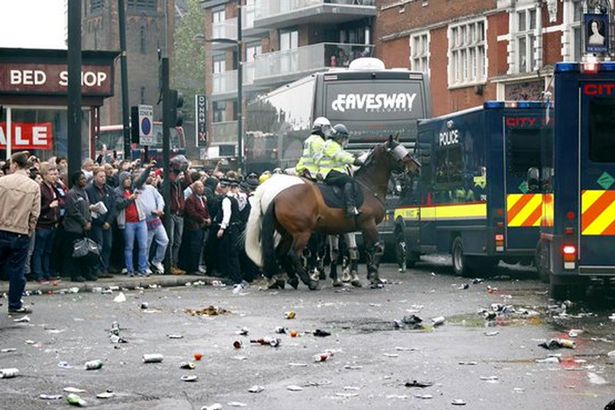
x,y
309,58
269,8
225,29
226,82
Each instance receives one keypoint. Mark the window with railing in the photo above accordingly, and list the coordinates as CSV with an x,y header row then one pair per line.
x,y
525,38
419,52
467,56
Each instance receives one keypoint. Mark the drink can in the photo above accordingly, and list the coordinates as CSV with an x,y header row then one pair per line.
x,y
152,358
93,365
290,315
437,321
567,343
8,373
187,366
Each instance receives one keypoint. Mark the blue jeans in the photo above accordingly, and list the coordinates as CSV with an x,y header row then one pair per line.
x,y
43,247
138,230
13,254
159,235
104,239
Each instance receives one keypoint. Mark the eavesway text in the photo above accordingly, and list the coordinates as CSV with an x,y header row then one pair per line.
x,y
374,102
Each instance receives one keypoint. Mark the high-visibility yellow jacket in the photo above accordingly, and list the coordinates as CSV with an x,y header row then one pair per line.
x,y
334,158
312,151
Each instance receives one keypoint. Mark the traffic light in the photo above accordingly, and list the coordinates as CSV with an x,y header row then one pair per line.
x,y
175,104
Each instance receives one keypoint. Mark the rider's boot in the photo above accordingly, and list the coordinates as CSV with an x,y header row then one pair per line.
x,y
351,208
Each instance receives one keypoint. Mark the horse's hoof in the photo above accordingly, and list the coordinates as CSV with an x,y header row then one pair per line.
x,y
281,283
337,283
294,282
356,283
313,285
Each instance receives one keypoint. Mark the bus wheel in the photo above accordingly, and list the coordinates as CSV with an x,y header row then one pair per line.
x,y
460,266
540,260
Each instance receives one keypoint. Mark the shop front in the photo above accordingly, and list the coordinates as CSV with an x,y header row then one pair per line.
x,y
34,97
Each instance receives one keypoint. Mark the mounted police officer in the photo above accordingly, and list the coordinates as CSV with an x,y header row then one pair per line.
x,y
333,162
312,148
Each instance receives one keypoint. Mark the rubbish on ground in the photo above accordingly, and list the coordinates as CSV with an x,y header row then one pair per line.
x,y
463,286
264,341
519,390
215,406
397,396
236,404
189,378
468,363
73,290
476,281
240,358
391,354
187,365
50,396
438,321
494,333
256,389
347,395
208,311
490,379
280,330
558,343
491,289
93,365
120,298
322,357
423,396
293,333
144,305
105,395
64,365
243,331
75,400
294,388
293,364
290,315
116,339
8,350
23,319
458,402
574,333
412,321
56,331
198,356
352,367
612,317
321,333
73,390
237,344
596,379
175,336
97,290
239,287
548,360
415,383
9,373
153,358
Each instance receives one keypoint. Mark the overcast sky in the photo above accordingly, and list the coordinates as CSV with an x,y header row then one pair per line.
x,y
32,23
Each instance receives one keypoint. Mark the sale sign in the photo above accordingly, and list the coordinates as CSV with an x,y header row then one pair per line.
x,y
33,136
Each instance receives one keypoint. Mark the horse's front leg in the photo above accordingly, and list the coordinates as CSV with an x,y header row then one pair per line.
x,y
353,254
373,250
334,247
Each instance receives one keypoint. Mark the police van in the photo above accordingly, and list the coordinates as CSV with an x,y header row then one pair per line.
x,y
577,240
472,199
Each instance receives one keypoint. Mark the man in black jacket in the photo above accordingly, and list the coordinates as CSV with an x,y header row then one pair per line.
x,y
99,191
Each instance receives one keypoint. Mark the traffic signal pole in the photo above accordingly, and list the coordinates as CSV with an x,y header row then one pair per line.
x,y
74,113
166,148
239,92
124,75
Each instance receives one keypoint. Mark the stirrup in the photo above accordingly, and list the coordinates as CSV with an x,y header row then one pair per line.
x,y
352,211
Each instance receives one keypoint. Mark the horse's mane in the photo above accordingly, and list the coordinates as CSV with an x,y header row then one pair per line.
x,y
367,158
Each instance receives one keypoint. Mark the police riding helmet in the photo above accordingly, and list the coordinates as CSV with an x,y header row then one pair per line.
x,y
323,125
340,132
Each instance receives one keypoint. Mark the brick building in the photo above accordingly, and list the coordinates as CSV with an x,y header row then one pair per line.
x,y
283,40
478,50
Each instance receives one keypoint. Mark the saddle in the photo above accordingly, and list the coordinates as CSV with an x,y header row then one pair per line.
x,y
334,196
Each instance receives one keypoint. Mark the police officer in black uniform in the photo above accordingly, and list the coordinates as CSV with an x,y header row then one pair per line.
x,y
228,233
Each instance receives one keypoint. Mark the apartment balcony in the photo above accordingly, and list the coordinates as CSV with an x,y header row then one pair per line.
x,y
226,29
224,132
224,85
284,66
273,14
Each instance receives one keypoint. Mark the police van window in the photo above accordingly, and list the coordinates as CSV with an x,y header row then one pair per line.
x,y
448,165
602,130
523,150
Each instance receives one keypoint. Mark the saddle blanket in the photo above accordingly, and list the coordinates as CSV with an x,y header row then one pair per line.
x,y
334,196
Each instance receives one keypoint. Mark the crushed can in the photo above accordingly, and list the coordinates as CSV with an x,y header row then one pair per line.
x,y
8,373
187,365
93,365
322,357
438,321
290,315
152,358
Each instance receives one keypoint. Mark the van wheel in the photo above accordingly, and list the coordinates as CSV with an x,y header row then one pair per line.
x,y
460,265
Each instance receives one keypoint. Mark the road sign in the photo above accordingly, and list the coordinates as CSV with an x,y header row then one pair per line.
x,y
146,125
200,123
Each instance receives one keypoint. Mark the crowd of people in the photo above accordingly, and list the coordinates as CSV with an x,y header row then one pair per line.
x,y
119,205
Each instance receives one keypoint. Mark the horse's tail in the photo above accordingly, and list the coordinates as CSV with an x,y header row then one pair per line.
x,y
253,229
268,241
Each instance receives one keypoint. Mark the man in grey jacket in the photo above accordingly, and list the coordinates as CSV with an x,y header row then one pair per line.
x,y
153,207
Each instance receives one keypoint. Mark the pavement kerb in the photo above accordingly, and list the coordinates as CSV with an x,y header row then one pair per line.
x,y
120,281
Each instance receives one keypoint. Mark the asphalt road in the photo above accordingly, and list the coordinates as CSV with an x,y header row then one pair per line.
x,y
371,360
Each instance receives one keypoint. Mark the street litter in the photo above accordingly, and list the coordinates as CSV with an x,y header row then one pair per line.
x,y
237,344
9,373
189,378
152,358
519,390
412,321
93,365
256,389
187,365
476,281
438,321
321,333
294,388
175,336
391,354
280,330
56,331
197,356
73,290
548,360
423,396
612,317
8,350
243,331
215,406
352,367
458,402
352,388
290,315
264,341
144,305
208,311
105,395
50,396
463,286
120,298
240,358
490,379
574,333
495,333
23,319
405,349
323,357
75,400
415,383
596,379
293,333
292,364
97,290
236,404
347,395
73,390
558,343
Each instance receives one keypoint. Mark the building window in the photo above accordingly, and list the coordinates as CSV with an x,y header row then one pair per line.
x,y
467,57
219,110
419,52
218,17
525,39
142,43
142,95
96,6
142,5
575,17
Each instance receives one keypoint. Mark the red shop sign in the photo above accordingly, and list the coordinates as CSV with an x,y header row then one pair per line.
x,y
24,135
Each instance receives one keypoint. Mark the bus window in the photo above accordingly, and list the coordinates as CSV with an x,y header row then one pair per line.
x,y
601,126
523,151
